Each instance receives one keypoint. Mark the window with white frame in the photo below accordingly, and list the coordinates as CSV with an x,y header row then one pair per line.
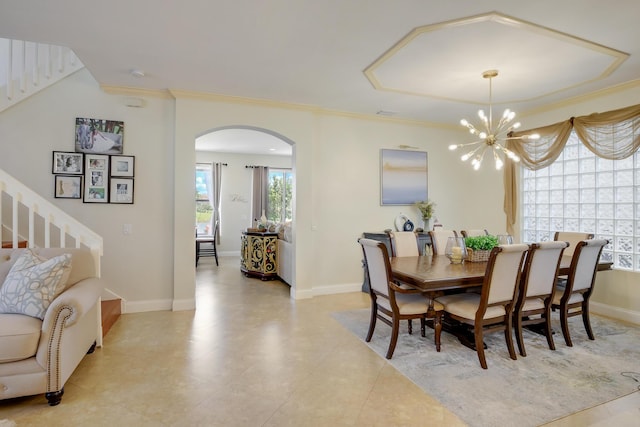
x,y
280,192
204,204
583,192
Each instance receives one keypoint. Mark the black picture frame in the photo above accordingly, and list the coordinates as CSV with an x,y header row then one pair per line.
x,y
121,190
122,166
67,187
96,178
67,163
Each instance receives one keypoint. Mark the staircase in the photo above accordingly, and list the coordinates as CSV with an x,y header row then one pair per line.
x,y
27,67
28,219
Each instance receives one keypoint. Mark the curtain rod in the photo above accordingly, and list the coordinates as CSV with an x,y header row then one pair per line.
x,y
254,166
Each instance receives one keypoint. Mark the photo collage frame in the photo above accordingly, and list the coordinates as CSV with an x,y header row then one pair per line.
x,y
97,171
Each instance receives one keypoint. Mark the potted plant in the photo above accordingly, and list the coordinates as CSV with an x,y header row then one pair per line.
x,y
426,208
479,247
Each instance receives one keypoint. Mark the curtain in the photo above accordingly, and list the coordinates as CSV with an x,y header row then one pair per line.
x,y
215,198
260,190
613,135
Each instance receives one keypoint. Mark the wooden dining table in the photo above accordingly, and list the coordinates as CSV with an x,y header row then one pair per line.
x,y
435,275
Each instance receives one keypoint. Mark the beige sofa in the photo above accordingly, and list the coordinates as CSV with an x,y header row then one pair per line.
x,y
38,356
285,252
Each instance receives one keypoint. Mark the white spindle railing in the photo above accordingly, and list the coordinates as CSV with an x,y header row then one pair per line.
x,y
14,222
29,67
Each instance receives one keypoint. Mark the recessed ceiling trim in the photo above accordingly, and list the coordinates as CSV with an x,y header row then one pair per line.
x,y
612,58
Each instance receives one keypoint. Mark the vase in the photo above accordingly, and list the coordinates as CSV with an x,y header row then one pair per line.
x,y
425,224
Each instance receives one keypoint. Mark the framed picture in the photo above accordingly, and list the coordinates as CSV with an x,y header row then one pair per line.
x,y
67,163
68,186
121,190
122,166
403,177
96,178
99,136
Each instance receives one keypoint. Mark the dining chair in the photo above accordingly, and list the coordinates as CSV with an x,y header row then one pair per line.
x,y
571,237
207,240
474,233
404,243
574,298
492,309
389,302
439,240
535,294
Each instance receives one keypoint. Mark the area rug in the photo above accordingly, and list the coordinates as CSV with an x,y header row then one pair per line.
x,y
533,390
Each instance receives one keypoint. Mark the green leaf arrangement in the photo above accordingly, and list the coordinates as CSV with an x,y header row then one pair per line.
x,y
481,243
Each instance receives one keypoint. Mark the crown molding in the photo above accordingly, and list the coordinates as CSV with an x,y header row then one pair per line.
x,y
134,91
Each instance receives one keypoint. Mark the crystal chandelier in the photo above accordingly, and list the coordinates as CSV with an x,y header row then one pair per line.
x,y
491,137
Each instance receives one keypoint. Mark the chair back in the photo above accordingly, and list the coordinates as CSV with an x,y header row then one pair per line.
x,y
377,265
439,240
571,237
503,274
584,265
541,268
474,233
404,243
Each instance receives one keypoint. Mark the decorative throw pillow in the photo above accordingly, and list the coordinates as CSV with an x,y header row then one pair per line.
x,y
33,283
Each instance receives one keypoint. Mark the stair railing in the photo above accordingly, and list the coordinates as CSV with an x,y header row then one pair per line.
x,y
27,216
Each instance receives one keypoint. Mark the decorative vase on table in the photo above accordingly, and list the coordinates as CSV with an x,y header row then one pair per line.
x,y
456,250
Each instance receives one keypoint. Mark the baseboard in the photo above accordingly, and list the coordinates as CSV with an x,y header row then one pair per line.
x,y
228,253
615,312
144,306
337,289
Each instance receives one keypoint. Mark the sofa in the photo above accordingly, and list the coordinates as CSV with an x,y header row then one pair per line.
x,y
285,252
49,318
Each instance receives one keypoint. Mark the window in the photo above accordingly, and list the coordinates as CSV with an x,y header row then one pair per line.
x,y
280,195
204,207
583,192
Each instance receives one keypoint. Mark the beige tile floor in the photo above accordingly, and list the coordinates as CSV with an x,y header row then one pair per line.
x,y
250,356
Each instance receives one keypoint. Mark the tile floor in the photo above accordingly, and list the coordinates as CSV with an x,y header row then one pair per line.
x,y
250,356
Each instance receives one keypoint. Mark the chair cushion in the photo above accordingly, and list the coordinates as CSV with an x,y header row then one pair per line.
x,y
410,303
533,304
466,305
33,283
19,337
557,296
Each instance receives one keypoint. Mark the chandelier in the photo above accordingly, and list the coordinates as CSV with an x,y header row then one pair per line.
x,y
491,138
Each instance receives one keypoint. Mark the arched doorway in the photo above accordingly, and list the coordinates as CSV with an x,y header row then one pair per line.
x,y
239,148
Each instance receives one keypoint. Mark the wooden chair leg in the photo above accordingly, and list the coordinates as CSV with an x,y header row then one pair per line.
x,y
423,327
410,326
586,321
519,337
480,345
548,331
395,326
437,327
564,316
372,321
508,336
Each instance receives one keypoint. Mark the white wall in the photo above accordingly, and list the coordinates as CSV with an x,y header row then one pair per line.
x,y
236,193
137,267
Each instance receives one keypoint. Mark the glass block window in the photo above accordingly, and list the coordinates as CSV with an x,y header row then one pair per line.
x,y
586,193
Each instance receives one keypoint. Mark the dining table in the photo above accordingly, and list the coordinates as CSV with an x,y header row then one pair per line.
x,y
435,275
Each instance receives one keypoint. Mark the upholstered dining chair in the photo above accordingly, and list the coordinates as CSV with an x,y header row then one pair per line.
x,y
572,238
212,250
389,302
439,240
574,298
492,309
404,243
535,295
474,233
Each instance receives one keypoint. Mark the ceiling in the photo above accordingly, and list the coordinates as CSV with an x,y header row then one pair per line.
x,y
410,59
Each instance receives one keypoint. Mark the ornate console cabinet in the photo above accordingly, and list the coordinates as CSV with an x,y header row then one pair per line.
x,y
258,254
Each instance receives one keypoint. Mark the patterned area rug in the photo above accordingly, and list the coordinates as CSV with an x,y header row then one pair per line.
x,y
533,390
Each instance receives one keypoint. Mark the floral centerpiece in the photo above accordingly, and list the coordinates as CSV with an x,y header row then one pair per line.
x,y
426,209
479,247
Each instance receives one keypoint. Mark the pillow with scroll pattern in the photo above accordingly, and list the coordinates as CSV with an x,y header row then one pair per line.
x,y
33,283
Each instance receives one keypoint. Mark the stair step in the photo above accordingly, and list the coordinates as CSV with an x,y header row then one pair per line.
x,y
111,311
9,244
